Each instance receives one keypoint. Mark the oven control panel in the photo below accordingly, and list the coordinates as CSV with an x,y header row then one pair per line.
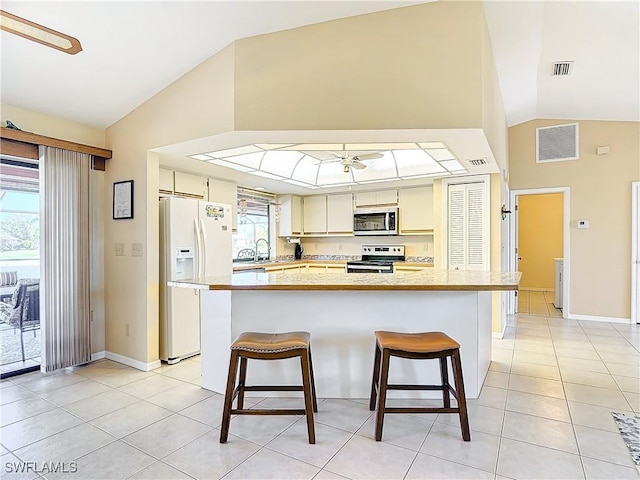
x,y
383,250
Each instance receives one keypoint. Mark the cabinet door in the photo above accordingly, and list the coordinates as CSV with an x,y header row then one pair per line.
x,y
165,184
192,186
315,214
340,213
290,221
225,192
416,210
372,199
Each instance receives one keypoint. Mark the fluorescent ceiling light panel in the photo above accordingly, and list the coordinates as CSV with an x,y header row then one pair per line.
x,y
452,165
201,156
415,162
222,163
426,145
306,170
249,160
336,185
280,162
38,33
235,151
380,181
428,175
441,154
319,154
377,169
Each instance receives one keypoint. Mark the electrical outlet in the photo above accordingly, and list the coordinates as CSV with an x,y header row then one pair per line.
x,y
316,246
126,329
136,249
119,249
425,247
340,246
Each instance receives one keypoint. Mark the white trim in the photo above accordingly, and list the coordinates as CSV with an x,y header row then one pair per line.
x,y
566,232
501,333
145,367
98,356
635,254
596,318
486,180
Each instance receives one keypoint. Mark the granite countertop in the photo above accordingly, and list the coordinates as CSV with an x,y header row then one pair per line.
x,y
429,279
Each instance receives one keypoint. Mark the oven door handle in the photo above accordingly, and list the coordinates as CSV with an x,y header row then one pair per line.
x,y
373,268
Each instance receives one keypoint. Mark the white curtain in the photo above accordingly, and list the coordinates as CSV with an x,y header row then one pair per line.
x,y
64,258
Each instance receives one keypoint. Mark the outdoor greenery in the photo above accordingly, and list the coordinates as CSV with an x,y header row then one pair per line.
x,y
19,232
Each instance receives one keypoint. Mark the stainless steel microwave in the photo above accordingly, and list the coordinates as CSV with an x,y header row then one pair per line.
x,y
375,221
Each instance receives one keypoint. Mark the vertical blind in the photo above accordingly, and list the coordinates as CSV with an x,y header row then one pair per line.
x,y
64,260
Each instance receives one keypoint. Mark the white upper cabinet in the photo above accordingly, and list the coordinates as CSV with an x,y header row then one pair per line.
x,y
340,214
188,185
416,210
165,183
372,199
290,221
315,214
225,192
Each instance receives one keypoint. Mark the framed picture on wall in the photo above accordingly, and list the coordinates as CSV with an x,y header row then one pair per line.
x,y
123,200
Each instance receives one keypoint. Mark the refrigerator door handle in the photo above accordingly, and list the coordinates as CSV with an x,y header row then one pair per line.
x,y
203,232
198,267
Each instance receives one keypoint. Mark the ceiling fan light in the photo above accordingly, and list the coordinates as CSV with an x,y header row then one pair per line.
x,y
38,33
346,169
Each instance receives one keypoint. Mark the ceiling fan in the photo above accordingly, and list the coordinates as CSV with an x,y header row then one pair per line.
x,y
348,161
39,33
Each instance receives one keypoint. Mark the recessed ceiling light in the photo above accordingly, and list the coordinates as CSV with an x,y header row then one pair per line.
x,y
38,33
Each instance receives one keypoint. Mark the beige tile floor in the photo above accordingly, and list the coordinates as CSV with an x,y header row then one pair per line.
x,y
544,412
537,303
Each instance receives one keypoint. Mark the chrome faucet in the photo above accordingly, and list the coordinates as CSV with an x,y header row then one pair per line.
x,y
257,257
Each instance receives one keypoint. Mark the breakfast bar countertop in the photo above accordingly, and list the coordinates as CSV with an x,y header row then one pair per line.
x,y
426,280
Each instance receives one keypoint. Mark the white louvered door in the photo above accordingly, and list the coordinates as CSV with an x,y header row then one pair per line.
x,y
468,221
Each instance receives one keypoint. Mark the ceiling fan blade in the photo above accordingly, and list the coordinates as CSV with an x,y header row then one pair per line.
x,y
368,156
356,164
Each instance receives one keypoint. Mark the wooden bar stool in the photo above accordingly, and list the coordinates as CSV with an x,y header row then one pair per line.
x,y
420,346
269,346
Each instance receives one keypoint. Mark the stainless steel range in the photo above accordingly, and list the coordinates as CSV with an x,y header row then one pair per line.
x,y
377,259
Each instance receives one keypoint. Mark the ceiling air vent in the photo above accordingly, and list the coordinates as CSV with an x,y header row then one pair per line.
x,y
477,162
557,143
562,68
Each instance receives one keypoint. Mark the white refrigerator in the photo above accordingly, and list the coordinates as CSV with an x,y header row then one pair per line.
x,y
195,242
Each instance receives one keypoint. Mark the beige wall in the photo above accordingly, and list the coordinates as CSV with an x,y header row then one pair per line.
x,y
197,105
600,191
415,67
51,126
540,220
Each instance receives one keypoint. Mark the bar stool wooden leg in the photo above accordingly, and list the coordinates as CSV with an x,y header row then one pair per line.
x,y
444,373
375,380
460,395
228,399
242,382
313,384
382,393
308,398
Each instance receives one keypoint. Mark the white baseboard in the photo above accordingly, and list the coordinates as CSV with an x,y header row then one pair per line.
x,y
595,318
98,355
145,367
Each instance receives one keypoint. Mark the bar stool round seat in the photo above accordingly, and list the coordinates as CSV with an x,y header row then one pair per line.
x,y
418,346
269,346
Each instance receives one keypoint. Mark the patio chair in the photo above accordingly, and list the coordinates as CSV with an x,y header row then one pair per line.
x,y
23,310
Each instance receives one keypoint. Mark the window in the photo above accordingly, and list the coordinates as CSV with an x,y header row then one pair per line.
x,y
19,216
253,225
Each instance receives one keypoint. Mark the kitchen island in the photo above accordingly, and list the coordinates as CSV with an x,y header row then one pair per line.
x,y
341,311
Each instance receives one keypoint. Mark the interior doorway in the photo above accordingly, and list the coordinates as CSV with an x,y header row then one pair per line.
x,y
539,238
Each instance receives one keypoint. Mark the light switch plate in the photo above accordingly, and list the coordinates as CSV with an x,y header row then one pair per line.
x,y
136,249
119,249
582,224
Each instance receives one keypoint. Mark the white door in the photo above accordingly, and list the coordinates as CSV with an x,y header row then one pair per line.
x,y
635,254
215,226
468,227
